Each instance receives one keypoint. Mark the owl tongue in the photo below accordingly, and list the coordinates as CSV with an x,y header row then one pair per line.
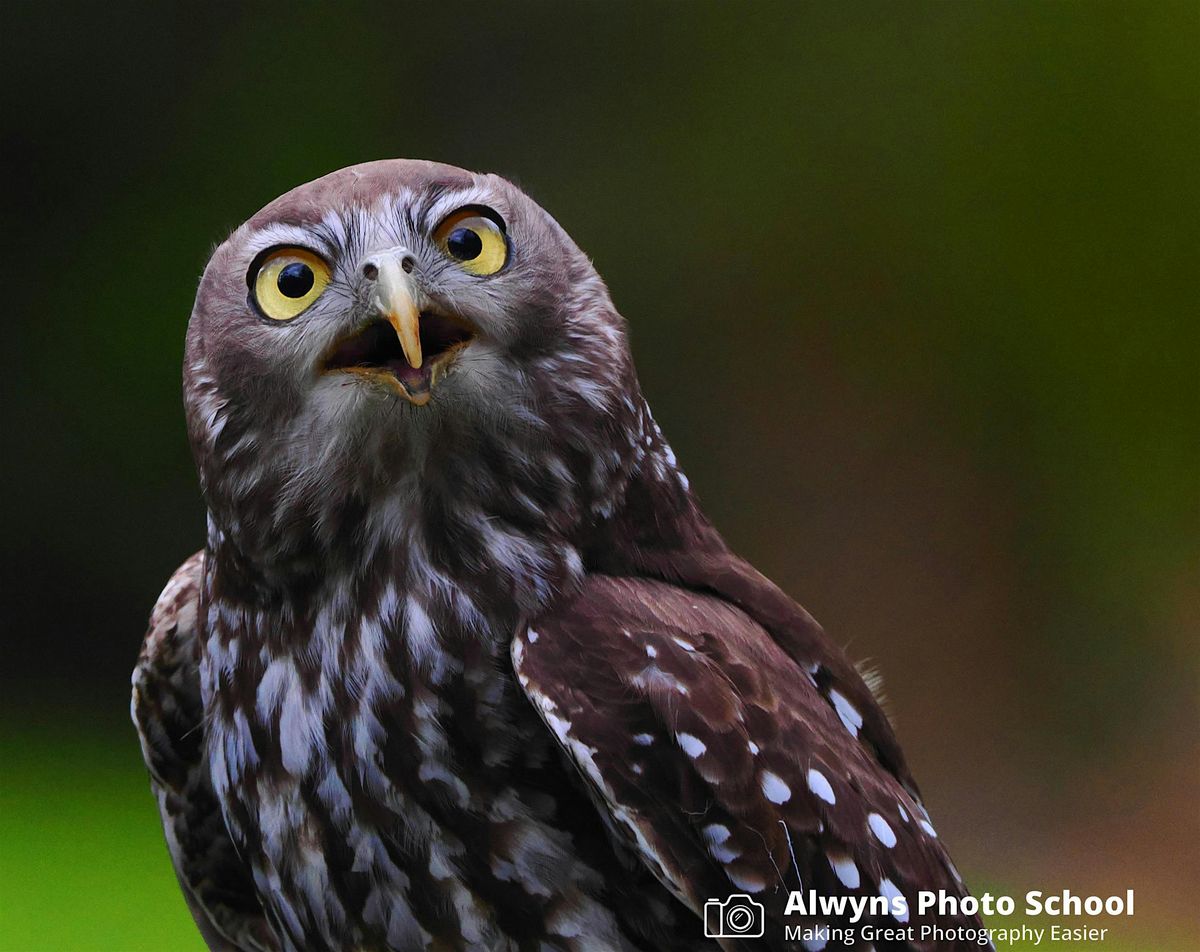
x,y
415,380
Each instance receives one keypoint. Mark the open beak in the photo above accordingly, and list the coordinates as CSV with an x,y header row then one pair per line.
x,y
400,346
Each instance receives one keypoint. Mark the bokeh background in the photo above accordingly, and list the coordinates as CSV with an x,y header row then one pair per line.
x,y
912,289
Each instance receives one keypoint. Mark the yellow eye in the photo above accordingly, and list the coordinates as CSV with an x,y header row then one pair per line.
x,y
288,281
473,240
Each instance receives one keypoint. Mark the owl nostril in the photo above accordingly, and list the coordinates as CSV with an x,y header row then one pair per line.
x,y
370,270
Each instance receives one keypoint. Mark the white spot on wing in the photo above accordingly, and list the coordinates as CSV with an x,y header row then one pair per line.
x,y
773,787
692,746
846,711
888,890
819,785
716,833
928,828
846,871
643,740
882,830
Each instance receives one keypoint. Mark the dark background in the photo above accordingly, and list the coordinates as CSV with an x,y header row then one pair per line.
x,y
912,290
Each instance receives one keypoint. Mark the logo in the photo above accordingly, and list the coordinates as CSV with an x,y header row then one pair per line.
x,y
738,917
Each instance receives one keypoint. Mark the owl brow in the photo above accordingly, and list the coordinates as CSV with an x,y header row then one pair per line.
x,y
454,199
316,236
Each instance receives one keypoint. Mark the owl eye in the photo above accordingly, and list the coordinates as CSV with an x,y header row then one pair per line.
x,y
288,281
474,240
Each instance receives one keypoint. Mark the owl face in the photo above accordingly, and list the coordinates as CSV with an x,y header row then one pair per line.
x,y
388,314
393,281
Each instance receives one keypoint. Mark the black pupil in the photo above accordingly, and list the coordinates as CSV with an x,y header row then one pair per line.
x,y
464,244
295,280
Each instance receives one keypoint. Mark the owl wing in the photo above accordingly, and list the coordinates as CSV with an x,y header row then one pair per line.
x,y
723,762
168,714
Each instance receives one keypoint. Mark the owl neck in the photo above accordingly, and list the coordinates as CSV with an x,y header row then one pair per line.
x,y
478,533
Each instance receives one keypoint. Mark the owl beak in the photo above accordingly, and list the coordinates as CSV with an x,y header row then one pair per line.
x,y
399,346
393,298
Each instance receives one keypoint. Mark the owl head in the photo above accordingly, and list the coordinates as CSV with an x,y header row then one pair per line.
x,y
402,331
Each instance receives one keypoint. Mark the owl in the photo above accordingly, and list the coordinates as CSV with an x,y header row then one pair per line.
x,y
462,664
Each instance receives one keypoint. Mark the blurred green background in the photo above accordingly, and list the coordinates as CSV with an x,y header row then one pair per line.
x,y
912,289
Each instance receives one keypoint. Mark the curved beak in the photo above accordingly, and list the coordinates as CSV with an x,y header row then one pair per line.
x,y
395,301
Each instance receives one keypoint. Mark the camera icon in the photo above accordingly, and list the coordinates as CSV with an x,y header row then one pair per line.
x,y
738,917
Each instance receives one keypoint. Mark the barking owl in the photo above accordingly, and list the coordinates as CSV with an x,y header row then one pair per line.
x,y
462,664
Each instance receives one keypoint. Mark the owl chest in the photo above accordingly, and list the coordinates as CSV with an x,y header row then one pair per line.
x,y
371,798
